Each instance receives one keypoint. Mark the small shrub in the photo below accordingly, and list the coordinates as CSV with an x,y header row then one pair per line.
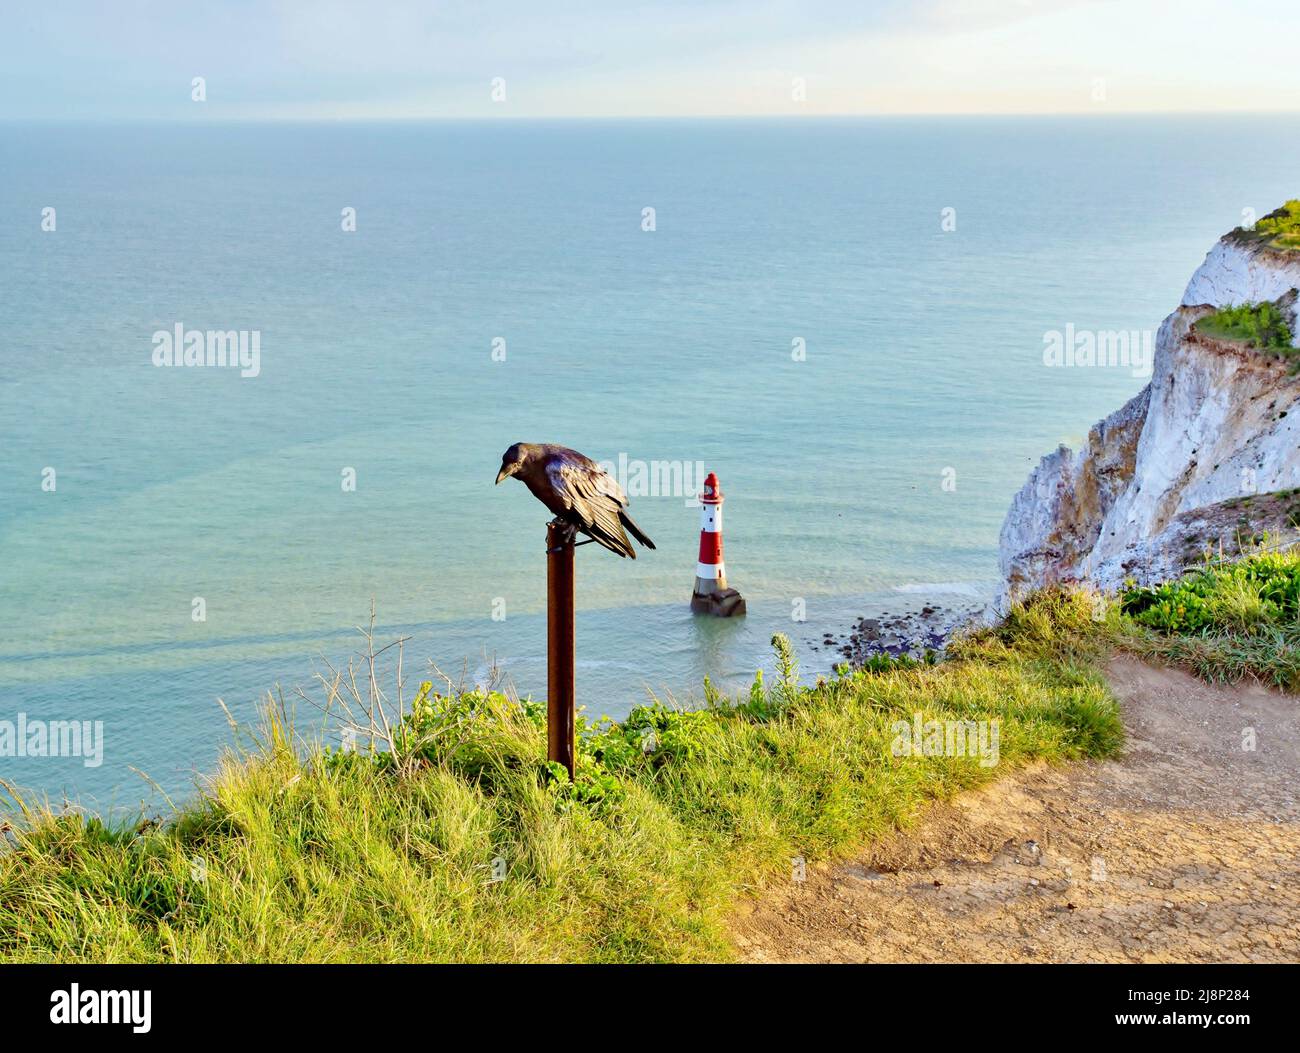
x,y
1240,597
1261,325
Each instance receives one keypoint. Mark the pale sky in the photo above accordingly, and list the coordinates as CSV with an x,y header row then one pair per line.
x,y
403,59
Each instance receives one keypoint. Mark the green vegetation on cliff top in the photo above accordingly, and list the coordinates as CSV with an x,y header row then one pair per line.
x,y
1279,230
292,853
1225,619
1282,226
458,842
1262,326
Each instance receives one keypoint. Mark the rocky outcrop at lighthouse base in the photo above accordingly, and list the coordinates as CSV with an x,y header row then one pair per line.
x,y
1206,455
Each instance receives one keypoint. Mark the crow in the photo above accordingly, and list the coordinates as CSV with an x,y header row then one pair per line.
x,y
583,496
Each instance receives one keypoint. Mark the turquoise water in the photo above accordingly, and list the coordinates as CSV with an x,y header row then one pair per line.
x,y
924,353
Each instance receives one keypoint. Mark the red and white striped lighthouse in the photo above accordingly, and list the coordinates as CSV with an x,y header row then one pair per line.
x,y
712,595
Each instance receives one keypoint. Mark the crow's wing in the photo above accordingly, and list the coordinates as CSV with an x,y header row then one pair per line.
x,y
595,499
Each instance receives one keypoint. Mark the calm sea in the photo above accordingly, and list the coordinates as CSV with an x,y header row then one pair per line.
x,y
871,472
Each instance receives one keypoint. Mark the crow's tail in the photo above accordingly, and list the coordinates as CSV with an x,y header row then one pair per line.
x,y
635,530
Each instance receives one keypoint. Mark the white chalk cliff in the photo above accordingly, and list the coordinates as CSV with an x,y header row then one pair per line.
x,y
1184,464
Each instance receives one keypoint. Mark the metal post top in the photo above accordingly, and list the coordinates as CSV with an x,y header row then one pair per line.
x,y
559,537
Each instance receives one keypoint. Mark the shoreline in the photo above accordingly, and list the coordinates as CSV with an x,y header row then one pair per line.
x,y
910,633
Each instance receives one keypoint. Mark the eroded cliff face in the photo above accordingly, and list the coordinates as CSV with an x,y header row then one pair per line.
x,y
1147,493
1236,272
1056,518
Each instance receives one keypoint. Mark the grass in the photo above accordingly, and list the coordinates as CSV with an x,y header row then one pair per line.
x,y
1225,620
1262,326
453,840
294,853
1282,226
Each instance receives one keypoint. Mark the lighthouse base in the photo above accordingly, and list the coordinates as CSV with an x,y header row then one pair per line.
x,y
722,603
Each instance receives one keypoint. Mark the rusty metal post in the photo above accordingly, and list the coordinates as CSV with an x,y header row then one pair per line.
x,y
559,647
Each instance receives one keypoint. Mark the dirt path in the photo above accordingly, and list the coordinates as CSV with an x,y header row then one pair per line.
x,y
1185,849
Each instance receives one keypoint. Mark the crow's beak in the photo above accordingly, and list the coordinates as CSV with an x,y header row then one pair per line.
x,y
503,474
